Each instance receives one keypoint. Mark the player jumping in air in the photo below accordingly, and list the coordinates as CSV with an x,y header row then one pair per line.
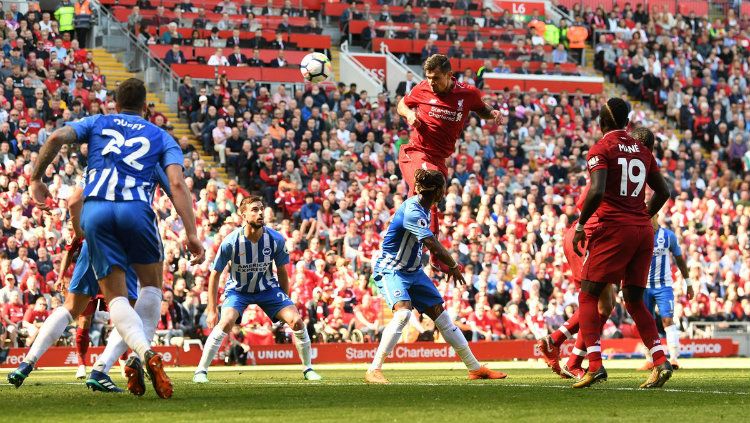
x,y
401,280
437,109
621,246
117,219
549,346
251,251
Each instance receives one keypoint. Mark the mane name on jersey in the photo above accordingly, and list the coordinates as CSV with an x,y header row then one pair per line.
x,y
252,267
629,148
134,126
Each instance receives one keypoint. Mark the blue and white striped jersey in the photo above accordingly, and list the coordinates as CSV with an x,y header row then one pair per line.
x,y
401,249
160,178
251,268
125,151
665,243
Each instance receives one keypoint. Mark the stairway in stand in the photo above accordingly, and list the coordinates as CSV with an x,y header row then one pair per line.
x,y
116,72
335,54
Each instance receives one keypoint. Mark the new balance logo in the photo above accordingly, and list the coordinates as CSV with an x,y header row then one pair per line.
x,y
433,101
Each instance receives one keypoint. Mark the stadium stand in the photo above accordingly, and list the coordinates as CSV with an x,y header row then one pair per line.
x,y
325,160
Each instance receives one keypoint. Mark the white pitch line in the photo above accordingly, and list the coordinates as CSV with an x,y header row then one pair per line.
x,y
598,387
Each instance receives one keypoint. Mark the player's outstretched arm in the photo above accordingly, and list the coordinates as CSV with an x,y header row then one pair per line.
x,y
487,112
437,250
183,203
590,204
408,114
661,192
48,152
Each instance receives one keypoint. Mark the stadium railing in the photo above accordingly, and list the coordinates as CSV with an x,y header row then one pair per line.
x,y
210,4
294,57
112,35
408,46
357,26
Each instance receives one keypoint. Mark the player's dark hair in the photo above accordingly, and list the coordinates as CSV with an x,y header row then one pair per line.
x,y
131,94
437,62
644,135
428,181
614,114
250,200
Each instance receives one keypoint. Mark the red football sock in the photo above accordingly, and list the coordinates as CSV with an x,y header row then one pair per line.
x,y
578,353
646,325
590,329
82,345
434,220
567,330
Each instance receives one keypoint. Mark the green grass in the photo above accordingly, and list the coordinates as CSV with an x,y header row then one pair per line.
x,y
416,395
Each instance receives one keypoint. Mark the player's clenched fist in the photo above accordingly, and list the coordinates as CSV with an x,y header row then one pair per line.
x,y
39,193
195,247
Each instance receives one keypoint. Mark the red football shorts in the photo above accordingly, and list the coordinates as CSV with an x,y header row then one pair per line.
x,y
574,260
617,252
93,306
410,159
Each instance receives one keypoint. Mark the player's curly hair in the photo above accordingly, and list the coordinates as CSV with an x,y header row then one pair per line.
x,y
644,135
250,200
614,114
428,181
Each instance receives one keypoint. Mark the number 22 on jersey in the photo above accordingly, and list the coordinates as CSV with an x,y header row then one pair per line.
x,y
118,141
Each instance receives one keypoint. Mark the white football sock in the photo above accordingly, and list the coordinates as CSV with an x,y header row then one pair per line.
x,y
114,349
50,332
302,342
458,341
213,342
148,307
673,341
391,334
129,325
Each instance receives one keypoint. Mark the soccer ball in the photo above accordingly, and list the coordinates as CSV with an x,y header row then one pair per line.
x,y
316,67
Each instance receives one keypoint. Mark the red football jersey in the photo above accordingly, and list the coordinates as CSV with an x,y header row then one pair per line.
x,y
628,163
443,117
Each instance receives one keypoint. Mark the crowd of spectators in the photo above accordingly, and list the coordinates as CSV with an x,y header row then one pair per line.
x,y
326,163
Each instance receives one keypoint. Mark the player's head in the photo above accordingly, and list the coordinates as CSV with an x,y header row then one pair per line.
x,y
437,71
430,184
614,114
251,210
644,135
131,95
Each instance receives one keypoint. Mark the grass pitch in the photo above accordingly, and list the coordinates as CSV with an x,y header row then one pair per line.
x,y
418,393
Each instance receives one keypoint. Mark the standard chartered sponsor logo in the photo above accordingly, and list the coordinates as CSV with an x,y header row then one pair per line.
x,y
445,114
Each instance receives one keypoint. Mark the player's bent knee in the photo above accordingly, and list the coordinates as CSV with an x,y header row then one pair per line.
x,y
402,305
402,315
434,311
667,321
